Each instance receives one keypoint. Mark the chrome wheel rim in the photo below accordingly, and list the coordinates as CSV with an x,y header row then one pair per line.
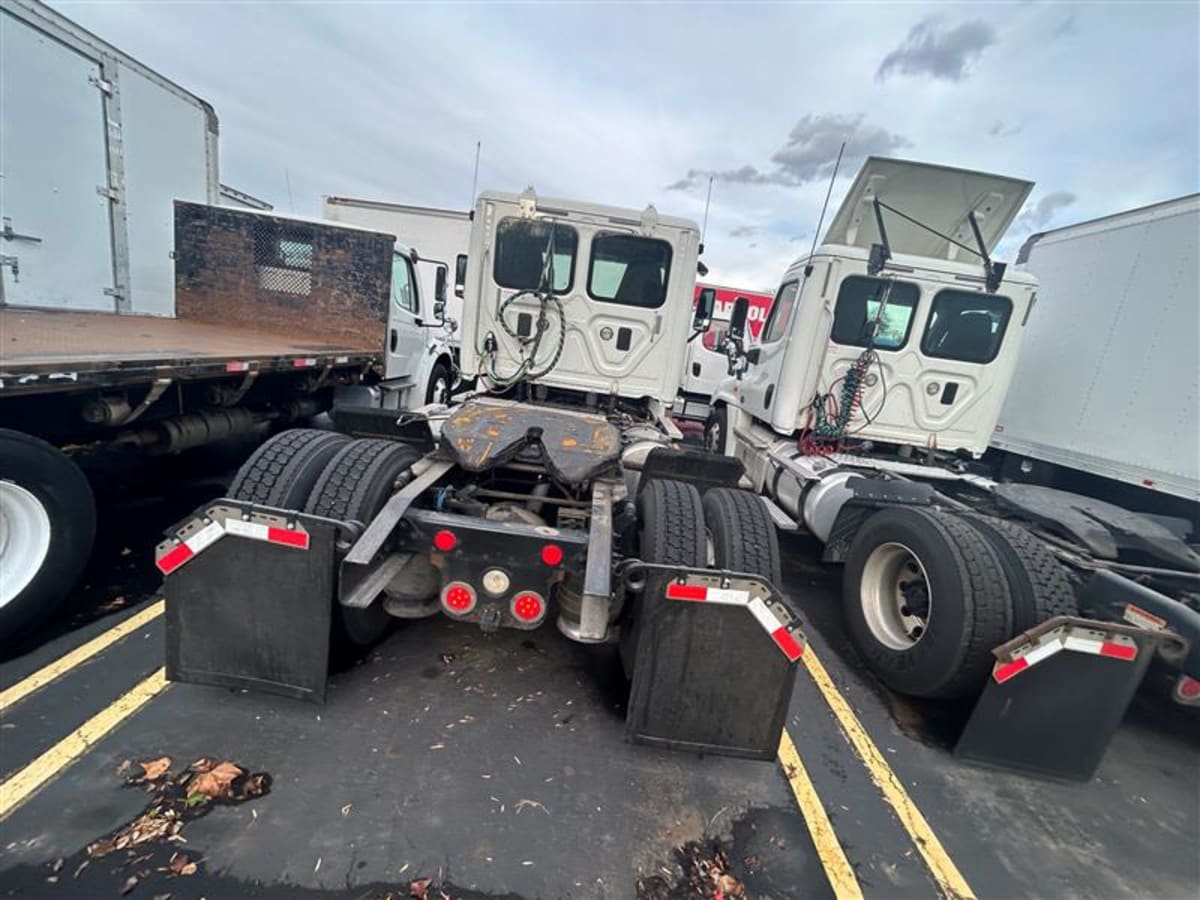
x,y
24,539
895,596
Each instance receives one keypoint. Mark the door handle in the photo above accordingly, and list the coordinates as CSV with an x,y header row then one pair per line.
x,y
9,235
393,340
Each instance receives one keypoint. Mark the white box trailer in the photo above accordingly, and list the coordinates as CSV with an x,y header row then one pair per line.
x,y
436,234
95,148
1107,382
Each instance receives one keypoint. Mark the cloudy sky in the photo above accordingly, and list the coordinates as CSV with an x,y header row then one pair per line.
x,y
629,104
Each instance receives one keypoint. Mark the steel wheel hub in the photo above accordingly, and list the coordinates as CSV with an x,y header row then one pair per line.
x,y
895,596
24,539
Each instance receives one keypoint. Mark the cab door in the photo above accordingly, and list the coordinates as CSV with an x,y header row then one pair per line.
x,y
406,339
760,383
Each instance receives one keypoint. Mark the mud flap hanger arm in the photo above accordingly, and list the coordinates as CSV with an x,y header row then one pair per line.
x,y
882,252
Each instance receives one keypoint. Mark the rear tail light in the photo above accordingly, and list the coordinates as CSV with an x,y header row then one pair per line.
x,y
528,607
552,554
458,598
445,540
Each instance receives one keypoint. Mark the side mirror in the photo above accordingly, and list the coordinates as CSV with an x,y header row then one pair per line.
x,y
439,306
460,274
439,289
705,304
753,355
737,319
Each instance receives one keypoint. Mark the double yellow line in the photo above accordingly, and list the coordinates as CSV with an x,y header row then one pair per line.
x,y
833,859
23,783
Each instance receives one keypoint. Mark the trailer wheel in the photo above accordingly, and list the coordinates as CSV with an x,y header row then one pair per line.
x,y
1039,586
743,536
282,472
354,486
926,599
671,531
440,382
47,524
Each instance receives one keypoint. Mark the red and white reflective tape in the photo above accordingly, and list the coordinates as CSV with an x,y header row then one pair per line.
x,y
178,555
237,367
1116,647
304,363
792,648
272,534
214,531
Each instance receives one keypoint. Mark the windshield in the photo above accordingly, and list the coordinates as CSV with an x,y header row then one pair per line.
x,y
521,246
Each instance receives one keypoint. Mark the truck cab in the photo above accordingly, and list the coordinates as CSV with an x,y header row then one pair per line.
x,y
420,364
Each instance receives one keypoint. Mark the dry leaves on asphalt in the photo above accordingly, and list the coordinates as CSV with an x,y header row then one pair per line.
x,y
213,781
152,770
701,872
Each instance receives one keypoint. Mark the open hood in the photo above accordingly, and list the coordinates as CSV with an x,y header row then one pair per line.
x,y
937,196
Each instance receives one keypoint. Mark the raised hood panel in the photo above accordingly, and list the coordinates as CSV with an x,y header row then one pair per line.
x,y
938,196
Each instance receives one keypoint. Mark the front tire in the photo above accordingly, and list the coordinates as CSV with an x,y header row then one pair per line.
x,y
47,525
440,383
354,486
925,599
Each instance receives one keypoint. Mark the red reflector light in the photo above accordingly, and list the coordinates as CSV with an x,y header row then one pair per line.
x,y
445,541
552,554
458,597
528,607
1188,687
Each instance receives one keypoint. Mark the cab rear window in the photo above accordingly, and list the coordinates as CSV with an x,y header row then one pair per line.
x,y
522,250
875,311
629,269
966,326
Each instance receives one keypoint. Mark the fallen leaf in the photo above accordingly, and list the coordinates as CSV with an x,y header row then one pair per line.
x,y
418,888
180,864
203,764
161,897
255,786
155,768
346,809
130,883
57,865
216,782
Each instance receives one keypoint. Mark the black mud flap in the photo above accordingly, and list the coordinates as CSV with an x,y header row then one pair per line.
x,y
715,662
249,592
697,467
1057,694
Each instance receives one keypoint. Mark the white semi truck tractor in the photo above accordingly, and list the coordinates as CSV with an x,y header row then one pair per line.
x,y
862,416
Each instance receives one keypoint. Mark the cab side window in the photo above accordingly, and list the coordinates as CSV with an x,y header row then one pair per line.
x,y
403,294
781,312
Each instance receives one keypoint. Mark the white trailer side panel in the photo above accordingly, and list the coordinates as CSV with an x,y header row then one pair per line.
x,y
1108,377
439,234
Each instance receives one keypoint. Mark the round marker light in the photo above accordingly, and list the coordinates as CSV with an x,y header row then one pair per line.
x,y
445,541
552,554
495,582
528,607
458,598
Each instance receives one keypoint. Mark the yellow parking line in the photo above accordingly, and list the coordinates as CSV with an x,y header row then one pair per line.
x,y
833,858
17,789
945,873
78,656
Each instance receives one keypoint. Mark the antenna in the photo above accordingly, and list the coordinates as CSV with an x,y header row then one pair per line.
x,y
291,203
821,221
475,177
707,200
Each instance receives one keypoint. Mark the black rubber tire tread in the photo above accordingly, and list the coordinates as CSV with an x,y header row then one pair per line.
x,y
358,480
743,535
670,531
282,472
66,496
439,368
953,657
1040,588
355,485
672,524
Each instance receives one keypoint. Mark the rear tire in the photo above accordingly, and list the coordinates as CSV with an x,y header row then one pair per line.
x,y
354,486
743,536
716,430
671,532
47,525
282,472
926,599
1039,586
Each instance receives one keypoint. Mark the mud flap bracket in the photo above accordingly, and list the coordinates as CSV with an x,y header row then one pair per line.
x,y
715,662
